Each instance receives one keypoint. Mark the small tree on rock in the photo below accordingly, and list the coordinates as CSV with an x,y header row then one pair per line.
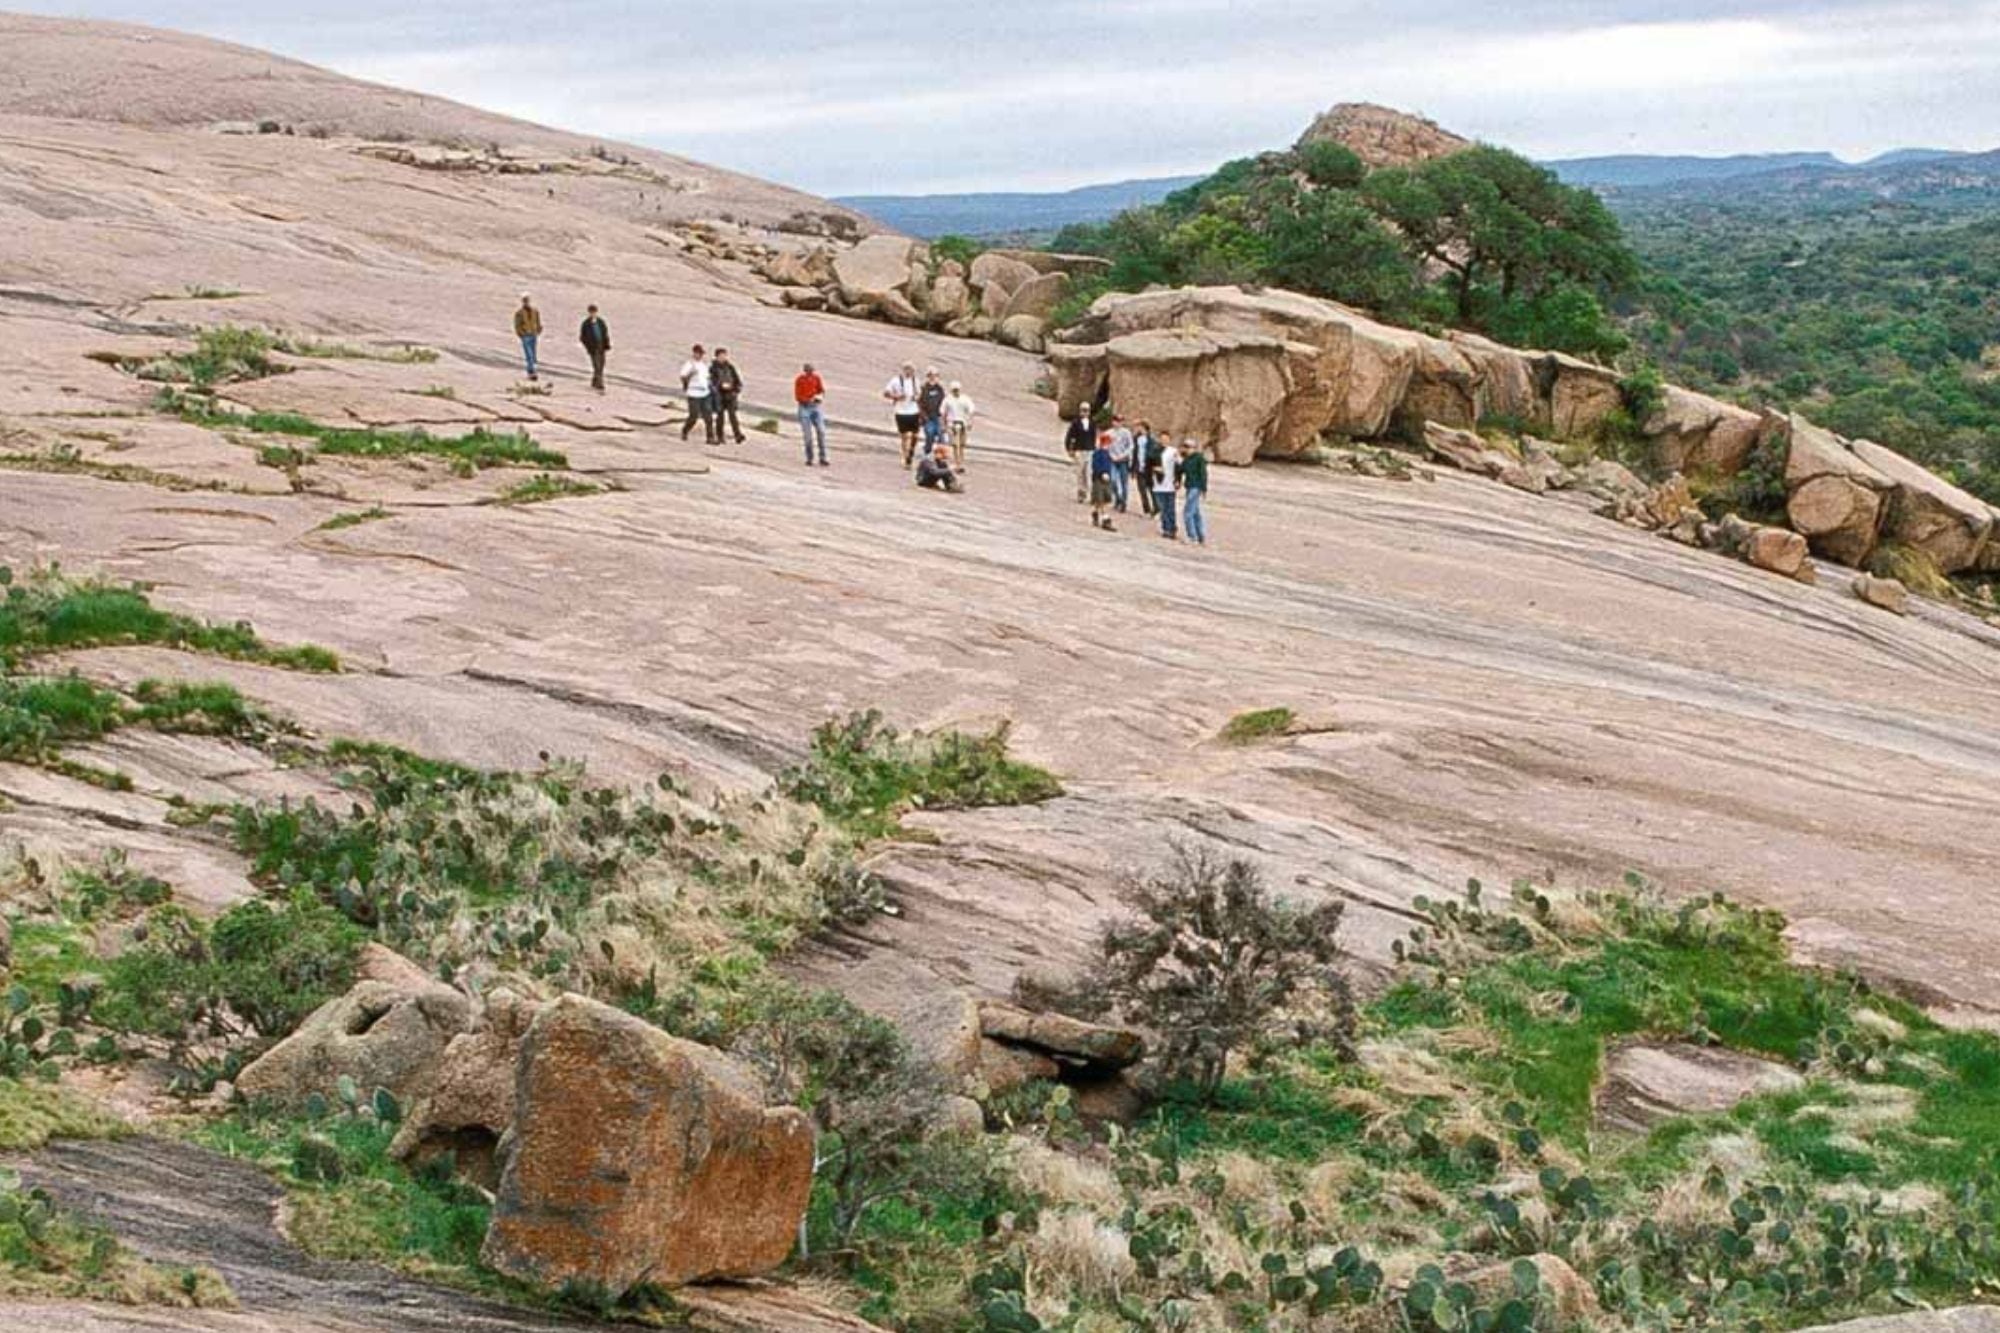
x,y
1209,961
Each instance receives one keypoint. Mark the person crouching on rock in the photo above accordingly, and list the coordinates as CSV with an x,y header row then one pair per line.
x,y
528,328
726,387
934,472
1103,491
902,394
596,338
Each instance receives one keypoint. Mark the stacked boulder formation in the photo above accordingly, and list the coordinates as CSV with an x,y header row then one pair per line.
x,y
1274,374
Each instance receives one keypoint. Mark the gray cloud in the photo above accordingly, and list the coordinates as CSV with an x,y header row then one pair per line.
x,y
867,95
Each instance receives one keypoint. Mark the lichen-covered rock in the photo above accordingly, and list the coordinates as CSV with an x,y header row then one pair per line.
x,y
1071,1040
1023,331
1645,1083
638,1157
471,1101
380,1034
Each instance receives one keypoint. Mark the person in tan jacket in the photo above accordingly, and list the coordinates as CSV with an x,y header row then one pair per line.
x,y
528,328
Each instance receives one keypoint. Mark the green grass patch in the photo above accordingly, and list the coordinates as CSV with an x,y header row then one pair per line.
x,y
477,449
354,518
407,354
47,611
1262,724
32,1113
543,487
865,775
207,708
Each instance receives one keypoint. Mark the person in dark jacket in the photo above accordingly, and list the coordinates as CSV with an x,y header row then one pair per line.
x,y
1103,483
1194,490
1078,444
934,472
725,387
596,339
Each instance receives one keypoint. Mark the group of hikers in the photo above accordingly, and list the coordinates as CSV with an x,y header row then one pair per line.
x,y
933,422
1115,460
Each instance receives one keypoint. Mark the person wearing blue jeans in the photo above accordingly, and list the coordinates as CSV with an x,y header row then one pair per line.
x,y
528,328
1194,485
809,391
1163,487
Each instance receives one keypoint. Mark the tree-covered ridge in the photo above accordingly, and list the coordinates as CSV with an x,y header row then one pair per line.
x,y
1878,319
1482,239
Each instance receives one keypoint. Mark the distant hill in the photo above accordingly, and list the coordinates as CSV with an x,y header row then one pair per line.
x,y
1010,214
1642,169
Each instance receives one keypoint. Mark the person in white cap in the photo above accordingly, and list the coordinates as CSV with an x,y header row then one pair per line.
x,y
901,394
958,413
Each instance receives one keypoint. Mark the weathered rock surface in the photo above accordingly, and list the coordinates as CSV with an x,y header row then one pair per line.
x,y
1382,136
876,268
1072,1041
1692,432
380,1034
1022,331
1644,1084
1573,1298
1928,512
996,278
1226,389
637,1157
470,1105
1836,499
1779,550
1964,1319
1887,594
1038,297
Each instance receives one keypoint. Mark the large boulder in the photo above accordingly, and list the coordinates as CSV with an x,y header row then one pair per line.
x,y
1049,261
1779,550
1227,390
996,278
1038,296
897,309
1504,377
1928,512
471,1101
1575,396
638,1157
381,1034
1888,594
875,268
1692,432
1023,331
1080,375
950,299
1467,450
1836,500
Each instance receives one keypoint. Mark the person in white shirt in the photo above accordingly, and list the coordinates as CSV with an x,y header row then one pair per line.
x,y
902,394
1122,446
1163,486
696,385
958,413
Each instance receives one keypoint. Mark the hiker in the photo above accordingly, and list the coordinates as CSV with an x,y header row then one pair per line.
x,y
1164,482
809,391
958,414
1121,465
1078,442
725,387
1145,465
697,385
902,393
1194,484
596,339
1101,490
930,403
528,328
934,472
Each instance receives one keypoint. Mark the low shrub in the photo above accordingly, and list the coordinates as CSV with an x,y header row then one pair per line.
x,y
1260,724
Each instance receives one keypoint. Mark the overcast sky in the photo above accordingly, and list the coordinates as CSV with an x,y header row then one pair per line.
x,y
863,96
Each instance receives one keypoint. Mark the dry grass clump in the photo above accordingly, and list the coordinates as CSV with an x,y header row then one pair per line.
x,y
1064,1178
1075,1251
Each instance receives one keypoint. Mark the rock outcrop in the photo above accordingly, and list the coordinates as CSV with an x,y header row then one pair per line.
x,y
1382,136
1646,1083
471,1102
1836,500
638,1157
1929,513
381,1034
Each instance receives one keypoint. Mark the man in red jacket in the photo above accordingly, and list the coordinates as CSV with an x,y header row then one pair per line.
x,y
810,392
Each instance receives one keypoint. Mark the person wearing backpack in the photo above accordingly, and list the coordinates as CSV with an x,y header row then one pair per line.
x,y
725,384
1194,486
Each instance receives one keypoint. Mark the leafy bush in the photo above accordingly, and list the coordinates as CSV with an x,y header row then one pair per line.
x,y
1256,725
865,774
